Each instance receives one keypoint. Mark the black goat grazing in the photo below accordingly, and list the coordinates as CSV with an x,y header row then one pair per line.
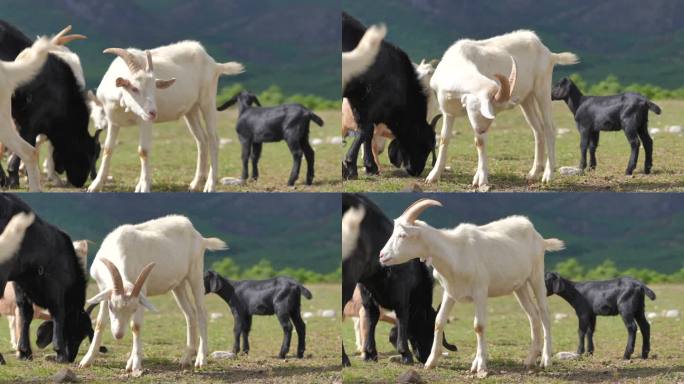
x,y
53,104
46,271
623,296
388,92
289,122
45,331
279,296
405,288
593,114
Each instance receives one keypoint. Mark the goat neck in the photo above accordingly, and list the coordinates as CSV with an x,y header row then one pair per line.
x,y
574,99
244,105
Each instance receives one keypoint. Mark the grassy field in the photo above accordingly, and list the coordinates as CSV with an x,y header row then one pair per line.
x,y
508,338
173,159
164,337
510,148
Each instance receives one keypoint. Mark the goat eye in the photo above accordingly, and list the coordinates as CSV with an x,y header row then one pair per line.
x,y
134,90
402,235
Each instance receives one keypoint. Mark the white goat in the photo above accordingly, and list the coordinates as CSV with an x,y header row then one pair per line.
x,y
357,61
130,93
469,80
13,74
123,270
473,263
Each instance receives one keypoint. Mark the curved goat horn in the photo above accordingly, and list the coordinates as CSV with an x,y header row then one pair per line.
x,y
140,281
126,56
149,67
414,210
62,38
116,276
507,85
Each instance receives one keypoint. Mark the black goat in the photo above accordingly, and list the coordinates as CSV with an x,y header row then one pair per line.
x,y
52,104
280,296
388,92
289,122
405,288
623,296
593,114
46,271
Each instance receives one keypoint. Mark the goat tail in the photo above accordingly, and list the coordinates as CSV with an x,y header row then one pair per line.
x,y
28,63
553,245
316,119
230,68
651,295
565,58
653,107
13,234
215,244
305,292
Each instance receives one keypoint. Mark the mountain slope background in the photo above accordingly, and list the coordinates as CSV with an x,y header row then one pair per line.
x,y
290,230
633,230
293,44
640,42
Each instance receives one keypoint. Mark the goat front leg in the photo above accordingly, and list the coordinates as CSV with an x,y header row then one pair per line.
x,y
134,364
100,324
49,163
237,332
246,328
246,151
26,311
584,145
368,159
349,170
26,152
371,316
256,154
14,335
581,334
440,322
107,152
479,365
593,144
402,336
58,342
480,180
445,135
144,147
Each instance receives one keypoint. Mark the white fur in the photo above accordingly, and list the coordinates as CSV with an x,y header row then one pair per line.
x,y
178,251
473,263
192,96
13,235
464,81
351,222
357,61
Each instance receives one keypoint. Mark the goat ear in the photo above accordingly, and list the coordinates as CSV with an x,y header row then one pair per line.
x,y
147,304
44,334
256,101
100,297
558,284
122,83
163,84
486,107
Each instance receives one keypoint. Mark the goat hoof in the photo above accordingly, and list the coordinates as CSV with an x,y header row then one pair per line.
x,y
482,374
647,171
300,355
25,356
349,171
281,355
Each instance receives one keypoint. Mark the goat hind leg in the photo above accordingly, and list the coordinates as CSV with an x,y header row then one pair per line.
x,y
300,327
633,140
648,148
539,289
284,319
532,312
297,154
193,121
529,109
479,365
543,100
631,325
181,295
645,334
196,283
209,113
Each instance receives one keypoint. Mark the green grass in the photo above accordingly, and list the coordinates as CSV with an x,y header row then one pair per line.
x,y
508,338
174,153
164,338
510,148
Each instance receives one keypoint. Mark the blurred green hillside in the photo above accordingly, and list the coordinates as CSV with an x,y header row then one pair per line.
x,y
290,230
293,44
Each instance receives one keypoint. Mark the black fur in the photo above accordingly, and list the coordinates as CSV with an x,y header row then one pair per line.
x,y
388,92
47,272
280,296
623,296
54,105
289,122
405,288
593,114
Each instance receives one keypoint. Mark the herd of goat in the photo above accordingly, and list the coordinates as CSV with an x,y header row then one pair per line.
x,y
133,263
44,98
477,79
389,268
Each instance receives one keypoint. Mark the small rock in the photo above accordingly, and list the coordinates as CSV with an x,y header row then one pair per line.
x,y
651,315
675,129
566,355
671,313
307,315
335,140
560,316
484,188
570,171
410,377
447,168
222,355
316,141
327,313
232,181
215,316
65,375
110,178
414,188
654,130
445,353
224,141
562,131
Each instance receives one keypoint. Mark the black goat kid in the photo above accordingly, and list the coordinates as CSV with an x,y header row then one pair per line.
x,y
593,114
46,271
623,296
289,122
279,296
